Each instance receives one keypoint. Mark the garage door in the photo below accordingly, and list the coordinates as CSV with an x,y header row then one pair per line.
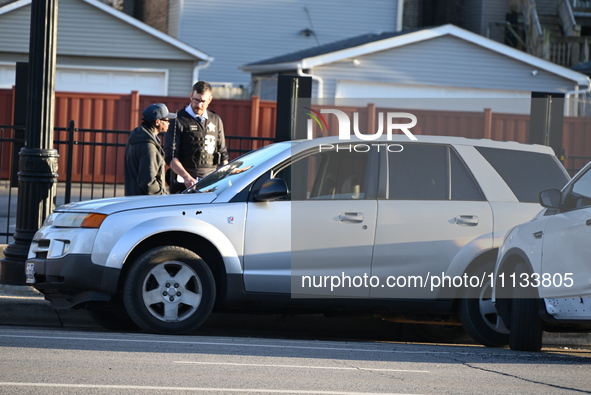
x,y
103,80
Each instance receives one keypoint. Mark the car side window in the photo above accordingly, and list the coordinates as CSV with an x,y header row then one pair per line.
x,y
526,173
463,185
327,175
422,172
580,193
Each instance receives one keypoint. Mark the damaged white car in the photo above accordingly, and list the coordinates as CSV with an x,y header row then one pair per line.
x,y
543,273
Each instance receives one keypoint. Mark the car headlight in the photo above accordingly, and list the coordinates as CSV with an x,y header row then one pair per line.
x,y
75,220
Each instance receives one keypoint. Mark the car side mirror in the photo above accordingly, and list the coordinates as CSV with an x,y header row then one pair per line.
x,y
550,198
272,189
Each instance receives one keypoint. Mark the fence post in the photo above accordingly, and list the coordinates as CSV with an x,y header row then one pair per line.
x,y
254,116
371,118
546,120
70,161
134,109
294,93
487,133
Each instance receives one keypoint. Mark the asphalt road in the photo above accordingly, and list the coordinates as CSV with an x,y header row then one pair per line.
x,y
44,361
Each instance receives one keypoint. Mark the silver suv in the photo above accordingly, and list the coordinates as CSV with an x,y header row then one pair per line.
x,y
407,230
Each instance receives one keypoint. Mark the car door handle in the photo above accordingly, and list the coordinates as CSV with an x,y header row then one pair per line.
x,y
467,220
538,235
588,222
351,217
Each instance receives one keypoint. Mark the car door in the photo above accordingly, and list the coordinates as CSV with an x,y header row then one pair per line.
x,y
432,209
319,240
566,248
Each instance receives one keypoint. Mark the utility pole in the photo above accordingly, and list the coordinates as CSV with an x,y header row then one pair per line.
x,y
37,175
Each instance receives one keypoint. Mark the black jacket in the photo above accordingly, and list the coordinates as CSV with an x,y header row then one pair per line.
x,y
144,164
199,146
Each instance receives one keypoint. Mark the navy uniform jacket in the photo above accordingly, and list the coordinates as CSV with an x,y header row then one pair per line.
x,y
199,146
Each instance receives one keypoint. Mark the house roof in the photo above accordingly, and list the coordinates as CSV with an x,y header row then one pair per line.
x,y
127,19
375,42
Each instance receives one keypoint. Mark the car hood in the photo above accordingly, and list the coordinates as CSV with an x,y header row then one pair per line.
x,y
113,205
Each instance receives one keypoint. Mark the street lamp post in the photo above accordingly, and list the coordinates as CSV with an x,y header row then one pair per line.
x,y
37,175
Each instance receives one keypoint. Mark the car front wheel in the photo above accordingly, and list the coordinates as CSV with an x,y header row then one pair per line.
x,y
526,326
169,290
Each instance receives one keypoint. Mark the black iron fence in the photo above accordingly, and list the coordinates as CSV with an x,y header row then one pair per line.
x,y
90,166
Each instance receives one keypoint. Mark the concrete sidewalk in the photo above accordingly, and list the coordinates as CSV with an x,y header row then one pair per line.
x,y
25,306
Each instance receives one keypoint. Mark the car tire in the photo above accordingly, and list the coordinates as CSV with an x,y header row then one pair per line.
x,y
526,325
478,314
169,290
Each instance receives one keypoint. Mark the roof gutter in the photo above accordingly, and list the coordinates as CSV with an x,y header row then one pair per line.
x,y
199,67
319,81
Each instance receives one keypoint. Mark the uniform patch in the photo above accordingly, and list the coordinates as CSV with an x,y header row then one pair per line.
x,y
209,144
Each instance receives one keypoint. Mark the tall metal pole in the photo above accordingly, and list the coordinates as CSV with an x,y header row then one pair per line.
x,y
37,176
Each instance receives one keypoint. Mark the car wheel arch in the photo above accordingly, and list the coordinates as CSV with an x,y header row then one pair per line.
x,y
192,242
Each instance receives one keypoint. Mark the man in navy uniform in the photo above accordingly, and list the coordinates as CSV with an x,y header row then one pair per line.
x,y
195,144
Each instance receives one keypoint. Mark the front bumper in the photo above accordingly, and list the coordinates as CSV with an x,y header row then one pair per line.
x,y
72,279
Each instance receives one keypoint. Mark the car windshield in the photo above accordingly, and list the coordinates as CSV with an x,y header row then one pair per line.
x,y
228,174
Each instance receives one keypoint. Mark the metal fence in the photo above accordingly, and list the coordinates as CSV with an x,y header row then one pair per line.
x,y
90,166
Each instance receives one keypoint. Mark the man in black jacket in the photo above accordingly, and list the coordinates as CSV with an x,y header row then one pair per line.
x,y
144,156
195,145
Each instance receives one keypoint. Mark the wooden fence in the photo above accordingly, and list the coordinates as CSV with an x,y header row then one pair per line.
x,y
256,118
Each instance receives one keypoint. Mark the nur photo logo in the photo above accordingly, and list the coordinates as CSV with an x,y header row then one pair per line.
x,y
388,122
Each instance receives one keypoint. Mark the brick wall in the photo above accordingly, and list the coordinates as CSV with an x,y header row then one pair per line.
x,y
153,13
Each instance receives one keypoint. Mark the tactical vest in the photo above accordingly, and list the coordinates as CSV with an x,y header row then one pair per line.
x,y
194,143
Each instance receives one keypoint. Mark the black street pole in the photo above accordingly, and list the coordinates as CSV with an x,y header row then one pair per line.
x,y
294,94
37,176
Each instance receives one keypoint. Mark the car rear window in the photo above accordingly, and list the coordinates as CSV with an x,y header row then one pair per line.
x,y
526,173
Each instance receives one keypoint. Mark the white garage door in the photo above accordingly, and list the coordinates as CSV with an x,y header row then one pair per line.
x,y
103,80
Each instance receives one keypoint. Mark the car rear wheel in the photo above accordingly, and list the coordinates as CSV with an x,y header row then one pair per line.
x,y
478,314
169,290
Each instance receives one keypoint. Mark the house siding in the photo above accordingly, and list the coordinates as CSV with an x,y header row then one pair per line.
x,y
454,63
482,16
14,31
104,35
85,30
495,12
174,8
88,36
473,19
252,31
